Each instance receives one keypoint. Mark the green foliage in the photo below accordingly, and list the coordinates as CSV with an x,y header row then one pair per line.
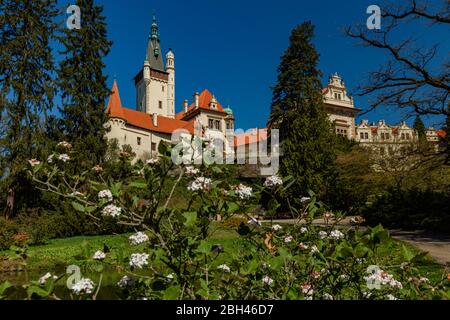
x,y
307,141
26,87
182,259
411,209
83,85
419,126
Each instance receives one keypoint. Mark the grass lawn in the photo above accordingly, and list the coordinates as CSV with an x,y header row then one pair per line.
x,y
59,253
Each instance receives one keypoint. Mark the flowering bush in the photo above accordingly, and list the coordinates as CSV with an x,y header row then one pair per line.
x,y
177,259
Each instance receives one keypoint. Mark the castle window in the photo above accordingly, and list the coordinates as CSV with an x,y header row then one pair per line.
x,y
139,141
153,146
361,135
162,88
403,136
160,104
366,135
218,125
387,136
210,123
407,136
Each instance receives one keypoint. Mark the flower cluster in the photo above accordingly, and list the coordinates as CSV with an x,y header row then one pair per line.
x,y
65,145
273,181
105,194
126,281
42,280
379,277
111,211
288,239
34,162
152,161
336,234
276,227
99,255
138,238
64,157
267,280
139,260
243,191
97,169
50,158
200,183
224,267
84,286
192,171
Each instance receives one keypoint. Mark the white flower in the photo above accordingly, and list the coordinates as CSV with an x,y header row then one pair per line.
x,y
152,161
314,249
84,286
322,234
288,239
105,194
391,297
336,234
327,296
224,267
64,157
243,191
42,280
126,281
200,183
378,277
138,238
303,230
34,162
267,280
277,227
65,145
50,158
192,171
111,211
254,222
302,246
170,276
305,199
266,265
139,260
273,181
99,255
307,289
424,280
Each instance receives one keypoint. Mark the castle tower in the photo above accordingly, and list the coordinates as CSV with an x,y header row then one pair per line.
x,y
170,69
152,82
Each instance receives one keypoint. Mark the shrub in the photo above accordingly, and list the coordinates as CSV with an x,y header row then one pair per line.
x,y
7,230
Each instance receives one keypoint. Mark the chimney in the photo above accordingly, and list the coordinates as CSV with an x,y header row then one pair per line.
x,y
185,105
155,119
196,99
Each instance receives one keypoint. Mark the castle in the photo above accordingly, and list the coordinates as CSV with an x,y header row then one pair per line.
x,y
155,117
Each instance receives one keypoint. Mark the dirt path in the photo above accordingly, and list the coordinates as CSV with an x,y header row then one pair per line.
x,y
438,246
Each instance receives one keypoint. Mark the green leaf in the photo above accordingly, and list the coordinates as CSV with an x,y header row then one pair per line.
x,y
78,206
407,254
37,291
138,185
171,293
204,247
4,286
191,218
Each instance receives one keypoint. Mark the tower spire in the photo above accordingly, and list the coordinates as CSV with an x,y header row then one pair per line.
x,y
153,55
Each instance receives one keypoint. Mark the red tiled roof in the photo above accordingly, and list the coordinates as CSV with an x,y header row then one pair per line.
x,y
249,138
395,130
441,133
142,119
374,130
204,100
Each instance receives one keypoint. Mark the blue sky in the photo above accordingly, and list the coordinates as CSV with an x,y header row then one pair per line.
x,y
233,48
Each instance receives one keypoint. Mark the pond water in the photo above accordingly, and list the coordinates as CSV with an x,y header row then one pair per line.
x,y
108,291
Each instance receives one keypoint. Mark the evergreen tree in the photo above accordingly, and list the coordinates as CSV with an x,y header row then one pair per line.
x,y
83,84
26,88
307,141
420,129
